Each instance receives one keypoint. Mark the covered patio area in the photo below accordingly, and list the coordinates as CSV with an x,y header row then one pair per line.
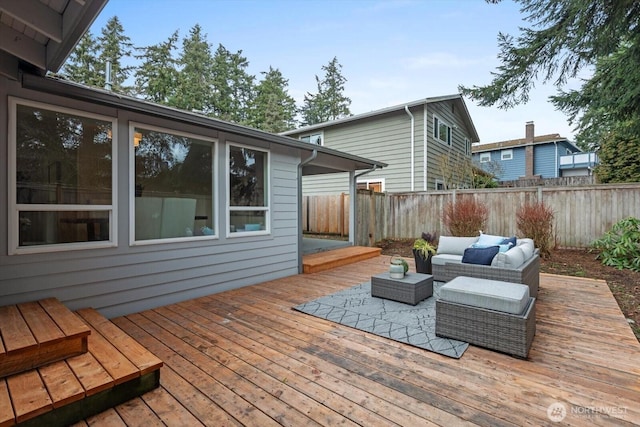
x,y
244,357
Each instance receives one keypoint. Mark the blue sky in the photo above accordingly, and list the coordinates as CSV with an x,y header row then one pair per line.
x,y
391,52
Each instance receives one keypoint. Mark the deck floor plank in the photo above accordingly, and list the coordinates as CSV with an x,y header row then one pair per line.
x,y
16,335
7,416
63,386
144,360
28,395
41,325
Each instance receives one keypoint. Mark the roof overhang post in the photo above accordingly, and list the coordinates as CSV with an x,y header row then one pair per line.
x,y
353,206
313,155
353,202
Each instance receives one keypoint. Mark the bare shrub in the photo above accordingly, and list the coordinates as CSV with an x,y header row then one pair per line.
x,y
465,217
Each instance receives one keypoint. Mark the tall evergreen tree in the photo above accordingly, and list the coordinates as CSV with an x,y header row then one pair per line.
x,y
233,87
195,74
115,46
156,77
82,66
329,103
565,37
273,109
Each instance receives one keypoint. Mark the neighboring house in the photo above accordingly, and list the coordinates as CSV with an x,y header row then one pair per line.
x,y
544,156
122,205
396,135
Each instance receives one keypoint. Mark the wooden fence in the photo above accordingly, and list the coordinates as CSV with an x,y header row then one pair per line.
x,y
581,214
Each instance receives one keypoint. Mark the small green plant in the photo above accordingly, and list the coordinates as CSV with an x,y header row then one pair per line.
x,y
424,248
620,246
535,221
465,217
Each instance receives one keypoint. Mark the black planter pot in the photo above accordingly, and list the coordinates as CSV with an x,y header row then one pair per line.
x,y
423,265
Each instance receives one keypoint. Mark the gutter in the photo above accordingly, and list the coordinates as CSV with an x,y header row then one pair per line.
x,y
424,146
406,108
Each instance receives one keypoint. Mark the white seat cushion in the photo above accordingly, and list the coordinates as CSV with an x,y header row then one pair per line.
x,y
442,259
490,294
454,245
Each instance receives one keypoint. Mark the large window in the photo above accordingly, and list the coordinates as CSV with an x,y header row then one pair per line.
x,y
61,178
173,185
314,138
248,195
441,131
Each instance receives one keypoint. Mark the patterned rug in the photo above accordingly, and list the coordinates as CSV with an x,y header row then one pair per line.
x,y
414,325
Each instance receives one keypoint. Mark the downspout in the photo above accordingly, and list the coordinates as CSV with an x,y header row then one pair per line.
x,y
424,148
556,171
314,154
406,108
353,205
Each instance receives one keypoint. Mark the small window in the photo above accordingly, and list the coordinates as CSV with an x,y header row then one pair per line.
x,y
375,185
440,184
467,146
485,157
506,155
441,131
315,138
248,195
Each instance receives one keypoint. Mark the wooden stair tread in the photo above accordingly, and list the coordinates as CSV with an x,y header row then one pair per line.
x,y
327,260
113,370
37,333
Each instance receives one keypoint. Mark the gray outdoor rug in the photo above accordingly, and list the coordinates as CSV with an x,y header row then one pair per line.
x,y
414,325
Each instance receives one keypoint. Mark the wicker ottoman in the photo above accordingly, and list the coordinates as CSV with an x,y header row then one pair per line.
x,y
497,315
411,289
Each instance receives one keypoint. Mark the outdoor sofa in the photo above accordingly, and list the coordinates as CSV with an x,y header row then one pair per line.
x,y
519,263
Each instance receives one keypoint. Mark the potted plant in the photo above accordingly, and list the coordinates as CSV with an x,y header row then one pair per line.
x,y
423,249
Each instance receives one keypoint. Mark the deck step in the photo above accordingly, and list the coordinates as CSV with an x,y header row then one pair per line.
x,y
114,369
322,261
38,333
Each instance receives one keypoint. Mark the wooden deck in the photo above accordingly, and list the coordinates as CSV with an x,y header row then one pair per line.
x,y
244,357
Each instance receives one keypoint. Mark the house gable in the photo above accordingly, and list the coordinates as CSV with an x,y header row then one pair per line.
x,y
398,136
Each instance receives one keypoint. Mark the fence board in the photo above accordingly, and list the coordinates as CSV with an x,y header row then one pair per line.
x,y
582,213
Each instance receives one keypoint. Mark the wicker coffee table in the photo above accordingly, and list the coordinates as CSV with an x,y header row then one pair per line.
x,y
411,289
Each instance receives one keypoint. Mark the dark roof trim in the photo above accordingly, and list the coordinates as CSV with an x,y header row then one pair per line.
x,y
400,107
98,96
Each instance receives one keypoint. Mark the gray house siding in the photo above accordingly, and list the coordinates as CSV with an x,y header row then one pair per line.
x,y
387,137
128,278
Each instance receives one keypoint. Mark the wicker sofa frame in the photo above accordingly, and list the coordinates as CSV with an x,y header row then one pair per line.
x,y
528,273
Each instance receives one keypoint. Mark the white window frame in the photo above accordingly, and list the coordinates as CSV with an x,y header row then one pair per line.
x,y
370,181
506,154
436,131
266,209
312,135
14,208
132,184
485,157
467,146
